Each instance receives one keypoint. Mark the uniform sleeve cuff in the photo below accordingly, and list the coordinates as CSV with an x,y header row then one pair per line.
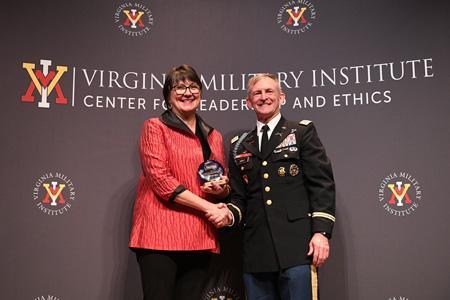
x,y
232,221
322,225
236,212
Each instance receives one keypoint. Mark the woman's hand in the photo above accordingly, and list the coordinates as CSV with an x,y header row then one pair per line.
x,y
219,187
219,215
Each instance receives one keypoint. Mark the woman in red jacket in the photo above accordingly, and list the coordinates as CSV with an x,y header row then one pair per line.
x,y
170,234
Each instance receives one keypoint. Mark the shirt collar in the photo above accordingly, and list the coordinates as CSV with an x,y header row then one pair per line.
x,y
272,124
172,120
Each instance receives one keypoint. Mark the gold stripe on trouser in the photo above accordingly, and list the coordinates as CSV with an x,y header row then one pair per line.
x,y
314,283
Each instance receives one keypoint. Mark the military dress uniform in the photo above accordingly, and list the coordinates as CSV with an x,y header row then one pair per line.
x,y
281,196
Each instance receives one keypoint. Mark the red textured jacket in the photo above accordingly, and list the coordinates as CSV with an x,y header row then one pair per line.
x,y
170,157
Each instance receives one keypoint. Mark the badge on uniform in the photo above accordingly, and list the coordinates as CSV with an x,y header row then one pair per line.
x,y
242,158
293,170
281,171
277,150
245,154
245,177
289,140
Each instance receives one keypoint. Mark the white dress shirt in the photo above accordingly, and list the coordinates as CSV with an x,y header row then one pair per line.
x,y
272,124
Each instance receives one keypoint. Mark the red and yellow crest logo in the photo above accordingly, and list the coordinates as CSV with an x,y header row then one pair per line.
x,y
54,193
399,194
44,81
296,16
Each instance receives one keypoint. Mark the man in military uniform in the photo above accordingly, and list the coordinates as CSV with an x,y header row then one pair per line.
x,y
283,194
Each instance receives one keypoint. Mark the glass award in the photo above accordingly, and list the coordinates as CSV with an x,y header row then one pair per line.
x,y
211,171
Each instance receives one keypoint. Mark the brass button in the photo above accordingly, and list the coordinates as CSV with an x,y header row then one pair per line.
x,y
264,163
286,155
269,202
242,168
309,215
267,188
266,175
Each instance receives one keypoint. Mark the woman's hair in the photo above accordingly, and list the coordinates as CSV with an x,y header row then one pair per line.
x,y
179,74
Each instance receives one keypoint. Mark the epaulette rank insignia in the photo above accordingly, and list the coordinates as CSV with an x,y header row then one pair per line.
x,y
233,140
305,122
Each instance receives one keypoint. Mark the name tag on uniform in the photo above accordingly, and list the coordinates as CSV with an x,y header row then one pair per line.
x,y
242,158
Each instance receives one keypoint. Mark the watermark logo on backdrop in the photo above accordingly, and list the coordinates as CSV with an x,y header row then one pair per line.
x,y
400,193
221,293
296,17
398,298
48,297
133,18
43,82
54,193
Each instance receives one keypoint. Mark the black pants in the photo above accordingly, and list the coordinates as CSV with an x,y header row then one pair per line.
x,y
168,275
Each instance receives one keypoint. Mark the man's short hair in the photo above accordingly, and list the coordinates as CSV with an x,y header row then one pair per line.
x,y
252,81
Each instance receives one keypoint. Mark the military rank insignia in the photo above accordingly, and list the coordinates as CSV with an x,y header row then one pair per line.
x,y
281,171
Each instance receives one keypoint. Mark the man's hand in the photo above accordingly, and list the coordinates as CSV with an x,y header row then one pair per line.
x,y
219,215
319,249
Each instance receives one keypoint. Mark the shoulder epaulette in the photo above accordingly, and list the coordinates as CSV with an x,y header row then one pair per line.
x,y
233,140
305,122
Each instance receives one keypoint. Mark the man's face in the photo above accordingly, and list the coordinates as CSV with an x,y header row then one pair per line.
x,y
265,98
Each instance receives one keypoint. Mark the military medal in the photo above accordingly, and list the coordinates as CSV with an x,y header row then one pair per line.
x,y
293,170
289,140
281,171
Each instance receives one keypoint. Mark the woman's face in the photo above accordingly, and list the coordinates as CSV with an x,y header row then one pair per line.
x,y
185,97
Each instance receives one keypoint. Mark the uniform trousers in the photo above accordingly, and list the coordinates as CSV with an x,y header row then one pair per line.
x,y
295,283
168,275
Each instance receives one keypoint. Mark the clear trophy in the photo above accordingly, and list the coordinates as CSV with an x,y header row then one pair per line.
x,y
211,171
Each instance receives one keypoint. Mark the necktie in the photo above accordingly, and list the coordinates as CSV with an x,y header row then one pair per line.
x,y
265,138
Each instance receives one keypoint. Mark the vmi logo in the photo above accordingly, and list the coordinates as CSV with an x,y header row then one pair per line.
x,y
400,193
296,16
44,81
54,193
221,293
48,297
133,18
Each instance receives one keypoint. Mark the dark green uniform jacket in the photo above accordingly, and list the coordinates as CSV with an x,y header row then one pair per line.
x,y
282,196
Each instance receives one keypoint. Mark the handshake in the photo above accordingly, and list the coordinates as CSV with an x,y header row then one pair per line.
x,y
219,215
